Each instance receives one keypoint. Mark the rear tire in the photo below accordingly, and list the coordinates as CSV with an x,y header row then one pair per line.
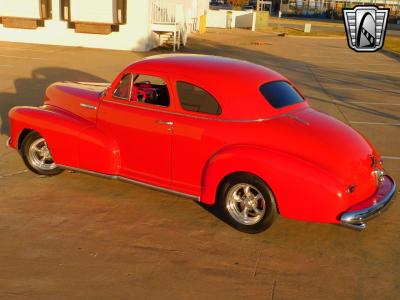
x,y
247,203
37,156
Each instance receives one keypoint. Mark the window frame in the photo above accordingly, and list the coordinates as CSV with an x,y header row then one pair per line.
x,y
130,89
190,112
164,79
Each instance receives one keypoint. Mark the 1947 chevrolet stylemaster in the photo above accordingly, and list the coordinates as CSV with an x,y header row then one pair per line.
x,y
223,131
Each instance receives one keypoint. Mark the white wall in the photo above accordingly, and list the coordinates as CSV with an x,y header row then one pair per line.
x,y
83,11
200,7
20,8
240,19
135,35
216,18
192,8
244,19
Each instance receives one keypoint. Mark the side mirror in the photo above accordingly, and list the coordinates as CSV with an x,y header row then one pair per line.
x,y
105,91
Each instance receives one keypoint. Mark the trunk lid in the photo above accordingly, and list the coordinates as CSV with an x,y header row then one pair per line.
x,y
330,144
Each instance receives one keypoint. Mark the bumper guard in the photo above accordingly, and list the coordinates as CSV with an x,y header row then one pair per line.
x,y
356,216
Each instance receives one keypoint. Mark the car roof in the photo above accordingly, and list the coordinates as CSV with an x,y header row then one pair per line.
x,y
234,83
201,67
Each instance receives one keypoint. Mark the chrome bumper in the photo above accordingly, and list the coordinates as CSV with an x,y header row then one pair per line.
x,y
372,207
8,143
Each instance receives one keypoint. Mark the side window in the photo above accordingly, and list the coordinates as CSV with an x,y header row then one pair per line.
x,y
151,90
123,90
193,98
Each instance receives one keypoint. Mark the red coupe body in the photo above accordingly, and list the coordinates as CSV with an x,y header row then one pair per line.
x,y
318,168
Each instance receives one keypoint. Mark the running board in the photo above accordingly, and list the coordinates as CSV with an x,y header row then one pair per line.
x,y
124,179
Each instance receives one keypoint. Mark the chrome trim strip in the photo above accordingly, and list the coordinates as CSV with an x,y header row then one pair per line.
x,y
131,104
88,106
298,119
121,178
158,188
105,84
162,122
356,219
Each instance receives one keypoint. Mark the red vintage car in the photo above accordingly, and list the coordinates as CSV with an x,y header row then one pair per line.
x,y
225,132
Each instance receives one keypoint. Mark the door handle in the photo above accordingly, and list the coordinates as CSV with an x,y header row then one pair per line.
x,y
88,106
169,123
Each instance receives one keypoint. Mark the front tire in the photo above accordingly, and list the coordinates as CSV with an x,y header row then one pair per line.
x,y
247,203
37,156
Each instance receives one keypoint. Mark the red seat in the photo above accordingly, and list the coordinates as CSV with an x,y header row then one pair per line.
x,y
147,93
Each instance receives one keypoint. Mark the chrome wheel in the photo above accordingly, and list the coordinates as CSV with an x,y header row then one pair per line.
x,y
39,155
245,204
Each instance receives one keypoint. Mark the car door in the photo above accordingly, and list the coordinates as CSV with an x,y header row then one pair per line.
x,y
198,134
136,113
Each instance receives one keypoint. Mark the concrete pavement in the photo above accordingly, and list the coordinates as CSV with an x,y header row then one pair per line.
x,y
75,236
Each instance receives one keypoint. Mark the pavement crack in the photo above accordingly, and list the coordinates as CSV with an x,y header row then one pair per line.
x,y
161,249
333,99
273,290
256,266
13,174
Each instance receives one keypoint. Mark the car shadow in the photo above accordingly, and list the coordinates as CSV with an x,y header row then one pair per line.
x,y
31,91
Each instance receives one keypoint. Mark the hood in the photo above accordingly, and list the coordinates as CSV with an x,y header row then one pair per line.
x,y
80,98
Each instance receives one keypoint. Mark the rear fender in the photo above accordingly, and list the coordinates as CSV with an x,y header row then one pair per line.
x,y
302,190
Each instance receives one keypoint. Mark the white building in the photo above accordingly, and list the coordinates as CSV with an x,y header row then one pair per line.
x,y
113,24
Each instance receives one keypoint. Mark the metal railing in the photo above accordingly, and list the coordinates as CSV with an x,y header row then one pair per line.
x,y
163,12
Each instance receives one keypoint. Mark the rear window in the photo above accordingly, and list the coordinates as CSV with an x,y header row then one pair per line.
x,y
280,94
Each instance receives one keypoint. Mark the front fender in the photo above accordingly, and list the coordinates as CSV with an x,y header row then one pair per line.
x,y
302,190
98,152
73,141
60,129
